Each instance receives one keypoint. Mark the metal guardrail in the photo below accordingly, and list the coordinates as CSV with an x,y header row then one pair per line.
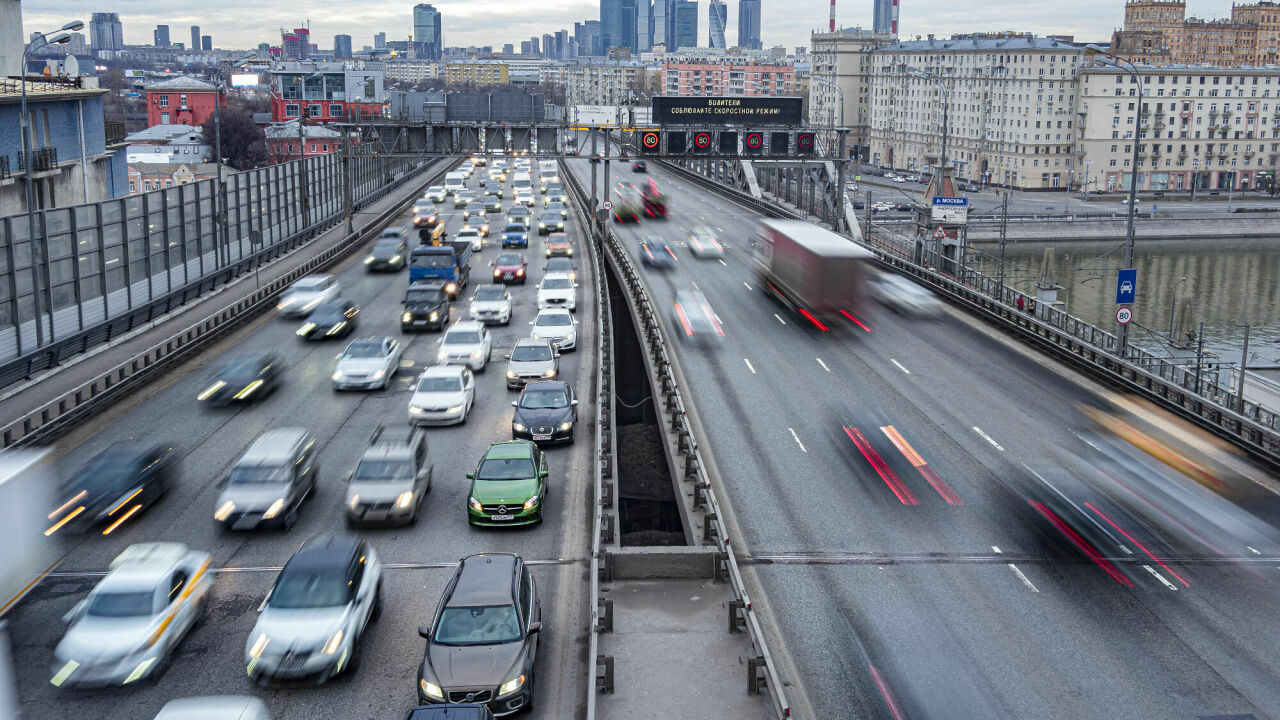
x,y
762,675
54,417
1255,428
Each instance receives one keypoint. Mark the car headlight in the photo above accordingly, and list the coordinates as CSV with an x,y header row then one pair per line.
x,y
511,374
274,509
337,375
209,391
248,390
535,335
531,503
569,337
311,304
451,288
337,328
222,513
379,374
394,259
497,273
286,303
255,650
433,316
444,354
431,689
368,260
475,354
475,504
511,685
306,329
414,410
550,373
405,499
564,426
335,640
408,316
518,427
542,226
353,502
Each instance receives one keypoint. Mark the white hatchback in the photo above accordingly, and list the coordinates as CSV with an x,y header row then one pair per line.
x,y
556,325
466,343
443,395
557,291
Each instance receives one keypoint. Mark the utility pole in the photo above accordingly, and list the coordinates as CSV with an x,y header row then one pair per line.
x,y
595,199
347,213
1004,225
1199,353
604,217
1244,361
839,218
866,218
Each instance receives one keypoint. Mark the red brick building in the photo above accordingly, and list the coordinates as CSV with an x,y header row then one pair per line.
x,y
182,101
325,92
283,140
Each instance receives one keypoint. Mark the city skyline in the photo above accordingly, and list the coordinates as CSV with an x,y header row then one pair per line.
x,y
471,21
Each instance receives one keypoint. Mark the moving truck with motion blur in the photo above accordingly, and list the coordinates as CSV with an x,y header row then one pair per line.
x,y
815,272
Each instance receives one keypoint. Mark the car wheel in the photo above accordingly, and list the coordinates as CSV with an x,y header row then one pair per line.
x,y
528,705
291,518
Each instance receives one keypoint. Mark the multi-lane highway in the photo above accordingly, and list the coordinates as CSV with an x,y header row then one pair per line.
x,y
420,556
872,475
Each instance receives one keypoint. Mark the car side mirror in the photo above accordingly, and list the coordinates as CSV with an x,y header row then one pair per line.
x,y
337,357
471,476
75,612
555,351
507,356
575,402
543,474
530,322
515,403
534,627
424,631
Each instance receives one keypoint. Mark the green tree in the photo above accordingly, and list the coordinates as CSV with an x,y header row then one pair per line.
x,y
244,145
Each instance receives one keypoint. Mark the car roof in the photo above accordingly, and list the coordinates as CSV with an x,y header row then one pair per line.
x,y
531,342
484,579
274,446
324,551
371,340
469,229
555,311
556,276
466,325
214,707
442,371
547,385
311,281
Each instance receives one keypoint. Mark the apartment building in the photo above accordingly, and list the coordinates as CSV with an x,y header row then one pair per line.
x,y
479,72
1250,37
738,76
1008,100
840,69
599,83
408,70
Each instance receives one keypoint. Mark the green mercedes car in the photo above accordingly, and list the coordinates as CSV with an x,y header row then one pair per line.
x,y
509,486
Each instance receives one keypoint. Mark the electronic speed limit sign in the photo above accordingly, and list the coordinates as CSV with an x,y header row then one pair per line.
x,y
1124,315
650,141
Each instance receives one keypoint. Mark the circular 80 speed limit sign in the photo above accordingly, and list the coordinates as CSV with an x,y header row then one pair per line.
x,y
1124,315
650,140
702,140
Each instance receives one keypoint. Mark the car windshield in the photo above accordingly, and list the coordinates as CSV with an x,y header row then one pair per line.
x,y
505,469
259,475
554,319
478,625
475,206
382,470
120,604
387,245
543,399
550,217
364,350
303,588
507,260
518,211
559,265
462,337
107,472
308,286
435,189
476,221
425,260
531,353
490,294
439,384
557,284
515,228
423,296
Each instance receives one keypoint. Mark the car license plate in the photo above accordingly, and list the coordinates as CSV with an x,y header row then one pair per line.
x,y
541,437
245,523
419,322
507,276
502,517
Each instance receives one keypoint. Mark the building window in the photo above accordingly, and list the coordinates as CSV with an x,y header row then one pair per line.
x,y
315,110
335,110
291,110
164,101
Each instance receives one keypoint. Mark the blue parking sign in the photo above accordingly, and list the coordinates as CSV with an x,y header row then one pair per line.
x,y
1126,286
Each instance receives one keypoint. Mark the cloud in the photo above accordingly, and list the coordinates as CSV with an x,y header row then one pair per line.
x,y
245,23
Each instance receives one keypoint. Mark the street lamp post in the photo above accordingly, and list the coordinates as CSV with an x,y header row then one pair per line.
x,y
38,263
941,174
1122,333
1231,187
1084,186
839,90
1195,173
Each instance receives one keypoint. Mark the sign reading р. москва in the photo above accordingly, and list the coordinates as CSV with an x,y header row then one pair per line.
x,y
731,110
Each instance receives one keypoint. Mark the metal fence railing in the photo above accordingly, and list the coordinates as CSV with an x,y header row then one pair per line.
x,y
97,270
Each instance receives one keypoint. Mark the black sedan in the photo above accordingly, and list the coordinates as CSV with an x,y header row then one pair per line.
x,y
550,222
242,379
639,166
330,319
115,485
547,411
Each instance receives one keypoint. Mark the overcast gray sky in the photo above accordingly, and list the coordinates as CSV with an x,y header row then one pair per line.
x,y
245,23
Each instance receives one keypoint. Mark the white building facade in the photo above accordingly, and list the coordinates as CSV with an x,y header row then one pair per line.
x,y
843,60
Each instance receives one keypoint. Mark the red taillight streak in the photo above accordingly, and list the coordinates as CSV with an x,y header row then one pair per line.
x,y
886,693
671,253
886,473
1135,542
919,464
684,321
1082,544
940,485
813,319
855,320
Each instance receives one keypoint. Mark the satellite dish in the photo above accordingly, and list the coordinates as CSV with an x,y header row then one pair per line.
x,y
71,66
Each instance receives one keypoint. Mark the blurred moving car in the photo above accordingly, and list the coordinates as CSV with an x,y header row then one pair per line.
x,y
556,195
477,223
556,325
561,265
510,268
703,243
547,411
367,364
134,618
482,642
491,304
425,307
466,343
317,611
475,207
695,318
331,318
558,244
639,166
437,193
531,360
389,252
270,481
462,198
556,206
115,485
243,378
215,707
443,395
305,294
493,203
901,295
557,290
391,479
657,252
519,214
509,485
425,213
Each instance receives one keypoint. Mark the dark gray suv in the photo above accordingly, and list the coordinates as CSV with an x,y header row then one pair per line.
x,y
483,641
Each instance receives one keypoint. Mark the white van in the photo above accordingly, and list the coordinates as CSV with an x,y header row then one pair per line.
x,y
548,167
522,183
455,182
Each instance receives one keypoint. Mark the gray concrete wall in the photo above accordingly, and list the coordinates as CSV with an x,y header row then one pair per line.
x,y
643,563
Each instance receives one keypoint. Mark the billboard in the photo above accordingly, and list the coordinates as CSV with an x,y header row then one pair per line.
x,y
727,110
135,74
246,80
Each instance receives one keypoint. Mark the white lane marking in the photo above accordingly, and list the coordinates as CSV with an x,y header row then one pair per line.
x,y
748,362
987,438
718,320
824,365
1125,549
745,283
797,439
784,322
723,263
895,362
695,286
1025,580
1255,552
1160,577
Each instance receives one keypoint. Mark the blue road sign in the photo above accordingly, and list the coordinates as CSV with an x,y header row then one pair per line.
x,y
957,201
1126,286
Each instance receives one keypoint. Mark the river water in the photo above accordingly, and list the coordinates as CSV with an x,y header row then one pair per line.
x,y
1228,284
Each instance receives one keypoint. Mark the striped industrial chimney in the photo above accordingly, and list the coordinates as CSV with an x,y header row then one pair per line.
x,y
833,17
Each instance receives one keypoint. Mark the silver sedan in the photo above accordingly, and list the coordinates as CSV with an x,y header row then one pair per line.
x,y
367,363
